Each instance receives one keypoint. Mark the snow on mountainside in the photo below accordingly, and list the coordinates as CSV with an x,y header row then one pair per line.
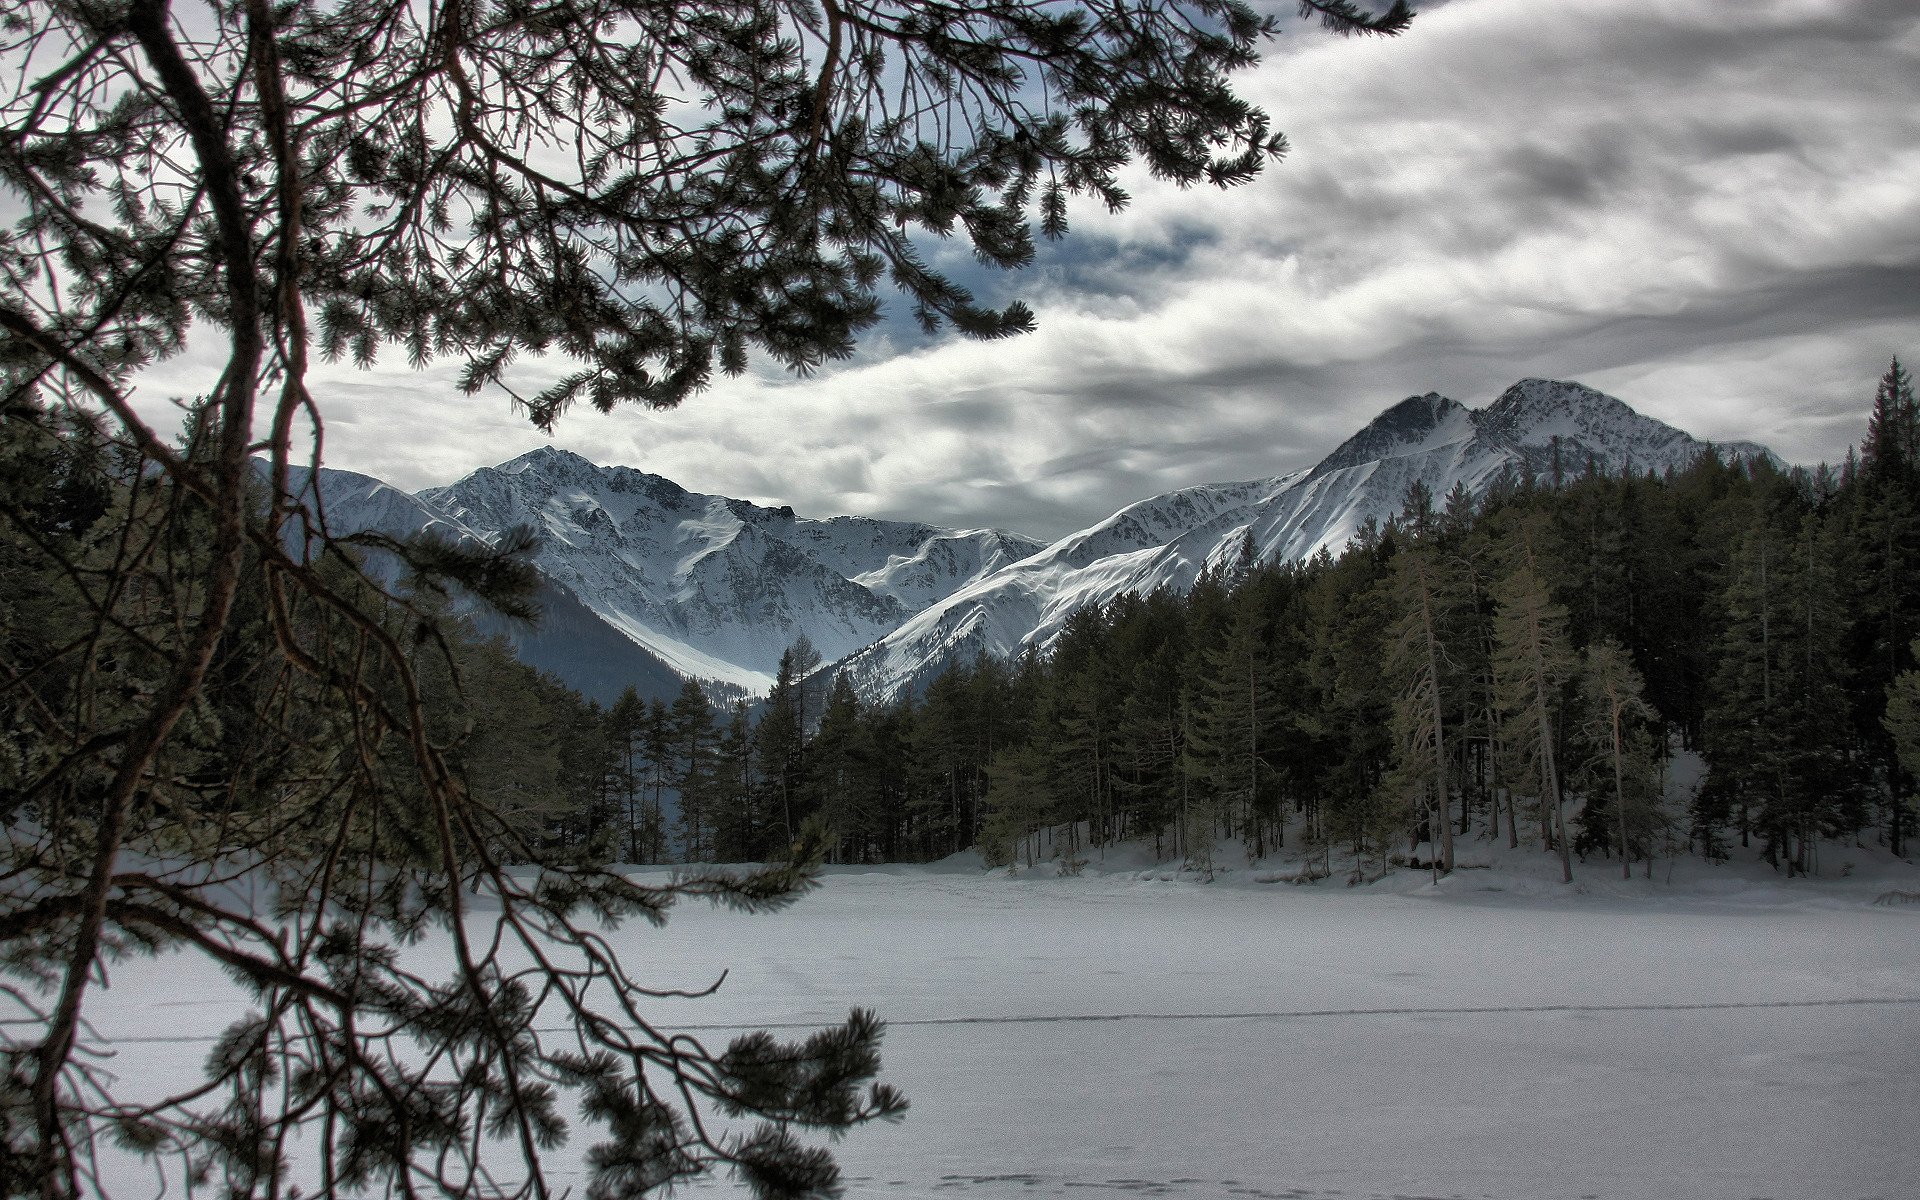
x,y
718,588
1168,540
571,641
356,503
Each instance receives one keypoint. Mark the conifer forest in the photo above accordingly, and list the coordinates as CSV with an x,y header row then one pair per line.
x,y
1522,670
1548,838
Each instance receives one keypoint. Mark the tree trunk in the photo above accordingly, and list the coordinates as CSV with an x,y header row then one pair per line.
x,y
1443,802
1549,780
1620,795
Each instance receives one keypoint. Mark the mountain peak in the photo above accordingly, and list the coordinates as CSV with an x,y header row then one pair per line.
x,y
545,459
1414,424
1534,409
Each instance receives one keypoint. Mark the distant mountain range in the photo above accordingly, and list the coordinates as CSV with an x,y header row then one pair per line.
x,y
647,582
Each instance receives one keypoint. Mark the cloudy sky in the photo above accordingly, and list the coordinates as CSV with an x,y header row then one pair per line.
x,y
1709,208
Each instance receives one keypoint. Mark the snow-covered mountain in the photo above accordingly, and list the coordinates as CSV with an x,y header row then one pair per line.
x,y
350,502
649,583
570,641
717,588
1168,540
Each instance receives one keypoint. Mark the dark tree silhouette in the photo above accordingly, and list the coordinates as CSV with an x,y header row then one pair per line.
x,y
209,685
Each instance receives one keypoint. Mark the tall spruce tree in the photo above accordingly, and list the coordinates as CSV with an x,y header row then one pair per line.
x,y
1019,803
1347,720
737,819
780,748
1881,550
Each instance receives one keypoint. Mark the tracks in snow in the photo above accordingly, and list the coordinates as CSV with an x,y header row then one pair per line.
x,y
1275,1015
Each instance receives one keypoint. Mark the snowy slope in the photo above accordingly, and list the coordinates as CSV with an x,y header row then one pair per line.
x,y
350,502
716,587
570,642
1168,540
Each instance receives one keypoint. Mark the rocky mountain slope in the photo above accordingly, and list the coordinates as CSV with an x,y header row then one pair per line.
x,y
1168,540
570,641
710,587
647,582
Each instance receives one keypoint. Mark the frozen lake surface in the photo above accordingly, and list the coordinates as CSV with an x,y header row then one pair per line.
x,y
1725,1034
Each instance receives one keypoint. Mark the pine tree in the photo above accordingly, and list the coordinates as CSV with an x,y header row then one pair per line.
x,y
1903,723
1426,598
1777,733
1616,713
659,758
1745,735
1230,731
467,180
1152,740
1346,722
943,767
1019,803
780,746
846,774
626,726
695,742
1084,703
737,836
1881,549
1150,651
1892,448
1531,660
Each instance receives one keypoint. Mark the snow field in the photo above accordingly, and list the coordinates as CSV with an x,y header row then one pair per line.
x,y
1251,1054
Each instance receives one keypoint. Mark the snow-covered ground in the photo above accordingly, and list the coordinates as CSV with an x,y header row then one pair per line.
x,y
1718,1033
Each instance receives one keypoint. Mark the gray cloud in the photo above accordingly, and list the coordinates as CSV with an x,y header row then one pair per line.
x,y
1711,209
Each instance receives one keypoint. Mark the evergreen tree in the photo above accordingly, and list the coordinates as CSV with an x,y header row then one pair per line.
x,y
1425,596
1621,778
1346,720
1019,803
944,767
516,767
626,726
659,757
780,747
1531,660
1778,738
848,775
1892,448
1084,703
737,833
1903,722
695,742
1150,652
1149,781
1232,722
1881,552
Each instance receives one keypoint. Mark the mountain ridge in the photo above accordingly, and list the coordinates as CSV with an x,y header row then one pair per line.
x,y
1430,439
712,587
716,588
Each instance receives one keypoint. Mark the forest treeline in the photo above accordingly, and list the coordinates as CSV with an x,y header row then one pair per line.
x,y
1523,669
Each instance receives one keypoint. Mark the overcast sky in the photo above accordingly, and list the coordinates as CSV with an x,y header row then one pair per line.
x,y
1709,208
